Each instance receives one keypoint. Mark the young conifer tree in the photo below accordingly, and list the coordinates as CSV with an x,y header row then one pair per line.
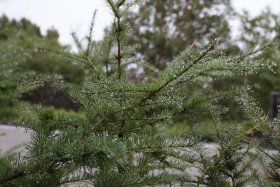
x,y
117,138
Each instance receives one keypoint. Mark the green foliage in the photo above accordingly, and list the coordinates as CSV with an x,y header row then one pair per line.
x,y
231,166
11,55
28,38
162,30
22,59
269,128
118,136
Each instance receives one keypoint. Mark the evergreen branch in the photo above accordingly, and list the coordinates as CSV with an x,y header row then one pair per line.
x,y
114,8
77,42
141,165
121,97
142,119
118,29
143,105
160,147
210,48
54,162
206,99
255,113
120,3
253,52
90,64
229,65
89,38
116,131
118,91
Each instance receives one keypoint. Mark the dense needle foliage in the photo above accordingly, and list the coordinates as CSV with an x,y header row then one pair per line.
x,y
117,138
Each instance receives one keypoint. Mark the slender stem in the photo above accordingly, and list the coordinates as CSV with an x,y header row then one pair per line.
x,y
119,57
89,38
15,175
107,70
233,181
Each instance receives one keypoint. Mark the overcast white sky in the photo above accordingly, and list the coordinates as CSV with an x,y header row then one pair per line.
x,y
75,15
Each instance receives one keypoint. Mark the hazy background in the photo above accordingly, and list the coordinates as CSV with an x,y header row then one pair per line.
x,y
75,15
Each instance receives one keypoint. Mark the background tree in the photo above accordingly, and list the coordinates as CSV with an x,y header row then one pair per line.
x,y
29,37
258,31
26,36
162,30
9,89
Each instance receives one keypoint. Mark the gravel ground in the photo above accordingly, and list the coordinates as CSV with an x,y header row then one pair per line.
x,y
13,138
